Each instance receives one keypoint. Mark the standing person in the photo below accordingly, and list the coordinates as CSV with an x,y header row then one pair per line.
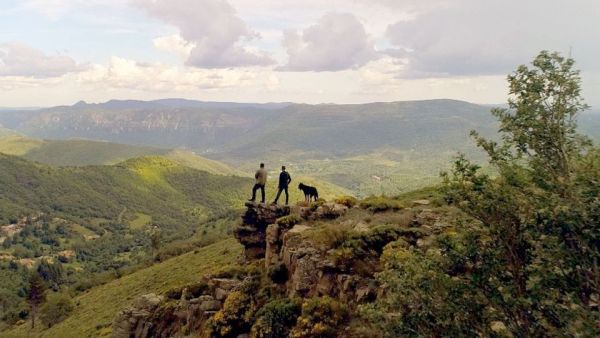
x,y
261,180
284,182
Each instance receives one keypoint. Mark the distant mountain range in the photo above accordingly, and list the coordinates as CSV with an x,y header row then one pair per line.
x,y
366,148
243,130
248,130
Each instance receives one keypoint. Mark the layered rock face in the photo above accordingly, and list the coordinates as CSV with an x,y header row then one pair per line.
x,y
252,232
176,314
304,269
308,271
133,321
312,273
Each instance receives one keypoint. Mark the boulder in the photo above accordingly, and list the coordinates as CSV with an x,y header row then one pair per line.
x,y
133,321
221,294
361,227
210,305
421,202
330,210
427,216
226,283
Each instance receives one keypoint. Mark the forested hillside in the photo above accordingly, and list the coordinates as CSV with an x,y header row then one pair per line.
x,y
88,225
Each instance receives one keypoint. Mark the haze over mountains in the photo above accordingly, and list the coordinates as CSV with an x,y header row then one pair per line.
x,y
243,131
332,142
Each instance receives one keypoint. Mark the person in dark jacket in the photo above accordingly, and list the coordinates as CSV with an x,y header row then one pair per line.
x,y
284,182
261,180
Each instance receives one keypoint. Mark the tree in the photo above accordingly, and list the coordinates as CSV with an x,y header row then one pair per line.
x,y
155,240
8,299
52,273
36,295
56,309
540,271
524,262
540,124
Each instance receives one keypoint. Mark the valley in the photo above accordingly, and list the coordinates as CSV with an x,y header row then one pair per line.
x,y
126,198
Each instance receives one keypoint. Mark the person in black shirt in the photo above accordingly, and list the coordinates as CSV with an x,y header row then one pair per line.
x,y
284,182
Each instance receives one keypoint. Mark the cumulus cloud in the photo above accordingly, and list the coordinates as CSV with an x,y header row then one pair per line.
x,y
213,27
18,59
472,37
336,42
121,73
174,44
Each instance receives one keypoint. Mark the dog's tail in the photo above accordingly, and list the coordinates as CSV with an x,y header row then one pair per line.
x,y
316,194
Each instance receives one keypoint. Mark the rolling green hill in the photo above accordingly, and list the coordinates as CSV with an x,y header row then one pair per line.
x,y
88,152
104,217
152,185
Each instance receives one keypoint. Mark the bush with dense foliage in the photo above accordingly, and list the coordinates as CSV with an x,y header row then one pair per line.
x,y
321,317
289,221
276,318
238,312
368,246
527,266
56,309
380,204
348,201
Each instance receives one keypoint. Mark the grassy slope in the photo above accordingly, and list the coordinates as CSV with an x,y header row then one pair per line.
x,y
153,186
7,132
98,307
87,152
18,145
189,159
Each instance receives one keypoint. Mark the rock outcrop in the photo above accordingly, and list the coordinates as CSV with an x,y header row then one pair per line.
x,y
309,272
133,321
176,314
252,232
297,263
312,273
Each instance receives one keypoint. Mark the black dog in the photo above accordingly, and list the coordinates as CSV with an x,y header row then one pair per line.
x,y
309,192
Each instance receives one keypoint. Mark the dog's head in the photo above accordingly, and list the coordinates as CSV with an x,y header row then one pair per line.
x,y
301,186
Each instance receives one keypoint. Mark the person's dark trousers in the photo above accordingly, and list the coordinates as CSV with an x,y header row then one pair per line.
x,y
286,195
262,192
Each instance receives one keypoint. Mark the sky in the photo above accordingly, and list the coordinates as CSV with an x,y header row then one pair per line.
x,y
55,52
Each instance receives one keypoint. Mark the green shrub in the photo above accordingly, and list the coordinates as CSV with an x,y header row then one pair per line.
x,y
330,236
321,317
378,237
380,204
348,201
276,318
234,318
56,309
361,246
289,221
278,273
